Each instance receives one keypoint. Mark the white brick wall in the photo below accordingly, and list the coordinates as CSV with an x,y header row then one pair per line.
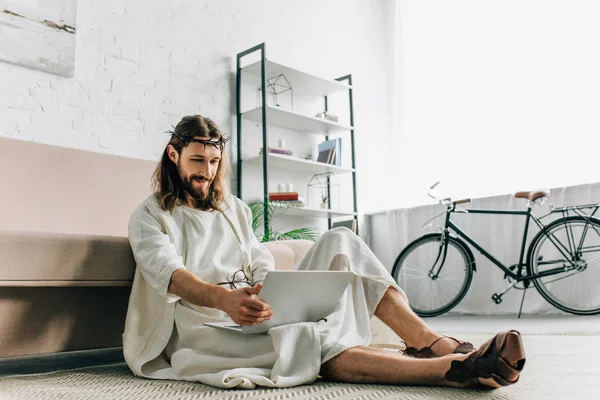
x,y
142,65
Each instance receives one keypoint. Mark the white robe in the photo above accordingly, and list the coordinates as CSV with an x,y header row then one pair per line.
x,y
213,246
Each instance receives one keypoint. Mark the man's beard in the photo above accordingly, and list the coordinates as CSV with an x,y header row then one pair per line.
x,y
200,197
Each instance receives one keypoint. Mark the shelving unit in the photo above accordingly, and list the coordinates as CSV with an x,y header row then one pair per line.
x,y
314,212
298,164
308,85
296,121
304,85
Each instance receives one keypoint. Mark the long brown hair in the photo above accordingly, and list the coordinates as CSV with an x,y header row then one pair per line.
x,y
166,179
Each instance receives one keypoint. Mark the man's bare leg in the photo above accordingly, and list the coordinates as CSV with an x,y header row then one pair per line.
x,y
395,312
367,365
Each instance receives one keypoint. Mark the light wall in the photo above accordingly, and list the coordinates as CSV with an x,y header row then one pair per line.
x,y
494,97
142,65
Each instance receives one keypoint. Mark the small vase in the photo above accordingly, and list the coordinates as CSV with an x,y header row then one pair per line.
x,y
323,205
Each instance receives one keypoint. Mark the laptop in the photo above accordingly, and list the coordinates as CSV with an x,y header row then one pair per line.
x,y
296,296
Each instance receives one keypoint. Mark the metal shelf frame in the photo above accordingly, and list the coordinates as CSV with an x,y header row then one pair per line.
x,y
263,111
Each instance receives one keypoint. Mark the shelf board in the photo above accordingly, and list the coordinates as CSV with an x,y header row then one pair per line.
x,y
301,82
313,212
298,164
293,120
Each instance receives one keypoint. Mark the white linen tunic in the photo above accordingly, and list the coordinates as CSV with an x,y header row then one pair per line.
x,y
214,246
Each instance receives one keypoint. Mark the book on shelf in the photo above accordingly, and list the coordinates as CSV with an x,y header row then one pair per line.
x,y
335,145
332,157
293,203
350,224
284,196
277,150
324,156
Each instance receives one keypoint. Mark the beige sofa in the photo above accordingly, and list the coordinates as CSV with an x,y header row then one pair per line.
x,y
65,262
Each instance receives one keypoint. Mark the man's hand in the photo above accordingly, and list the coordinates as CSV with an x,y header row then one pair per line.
x,y
243,307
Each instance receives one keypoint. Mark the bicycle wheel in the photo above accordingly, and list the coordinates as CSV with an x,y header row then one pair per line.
x,y
572,244
427,296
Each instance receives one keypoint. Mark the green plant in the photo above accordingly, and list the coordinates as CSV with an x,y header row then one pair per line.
x,y
258,212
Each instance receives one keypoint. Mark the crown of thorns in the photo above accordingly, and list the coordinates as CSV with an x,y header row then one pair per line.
x,y
219,143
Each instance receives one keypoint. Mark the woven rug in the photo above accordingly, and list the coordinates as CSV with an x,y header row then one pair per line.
x,y
565,366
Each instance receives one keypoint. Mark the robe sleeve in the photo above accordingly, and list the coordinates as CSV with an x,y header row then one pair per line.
x,y
262,259
155,255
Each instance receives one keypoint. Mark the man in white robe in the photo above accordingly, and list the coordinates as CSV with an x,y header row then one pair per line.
x,y
198,261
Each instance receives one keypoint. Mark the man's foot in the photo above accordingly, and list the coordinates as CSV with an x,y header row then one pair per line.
x,y
479,383
497,363
439,347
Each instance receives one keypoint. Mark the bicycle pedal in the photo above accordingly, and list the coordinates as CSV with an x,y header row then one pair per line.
x,y
497,298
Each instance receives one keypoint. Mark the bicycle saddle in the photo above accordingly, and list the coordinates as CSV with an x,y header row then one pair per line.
x,y
533,195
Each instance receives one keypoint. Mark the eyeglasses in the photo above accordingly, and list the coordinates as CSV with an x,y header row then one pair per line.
x,y
238,276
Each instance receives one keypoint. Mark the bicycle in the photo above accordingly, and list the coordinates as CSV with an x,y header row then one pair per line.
x,y
436,269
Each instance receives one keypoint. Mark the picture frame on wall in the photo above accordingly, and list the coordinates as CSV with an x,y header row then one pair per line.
x,y
39,34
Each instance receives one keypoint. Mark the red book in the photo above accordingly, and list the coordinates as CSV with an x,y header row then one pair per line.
x,y
284,196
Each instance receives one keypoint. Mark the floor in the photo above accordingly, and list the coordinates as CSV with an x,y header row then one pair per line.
x,y
563,362
527,324
449,324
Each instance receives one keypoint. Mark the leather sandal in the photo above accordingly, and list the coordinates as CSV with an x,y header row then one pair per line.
x,y
501,358
426,352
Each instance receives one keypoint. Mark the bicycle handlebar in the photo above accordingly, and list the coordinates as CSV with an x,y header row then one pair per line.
x,y
462,201
447,201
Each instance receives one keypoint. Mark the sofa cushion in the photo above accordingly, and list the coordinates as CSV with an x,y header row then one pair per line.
x,y
287,253
53,259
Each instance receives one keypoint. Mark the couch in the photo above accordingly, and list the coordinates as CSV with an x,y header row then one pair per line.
x,y
66,267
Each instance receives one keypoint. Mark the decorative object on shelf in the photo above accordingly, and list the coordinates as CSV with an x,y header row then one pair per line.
x,y
277,150
257,208
349,223
285,188
276,86
281,143
39,34
327,116
326,186
330,152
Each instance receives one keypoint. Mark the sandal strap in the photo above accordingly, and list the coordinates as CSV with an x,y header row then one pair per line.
x,y
427,352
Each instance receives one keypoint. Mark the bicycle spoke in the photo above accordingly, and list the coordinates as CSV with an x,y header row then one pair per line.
x,y
594,258
575,290
428,295
418,278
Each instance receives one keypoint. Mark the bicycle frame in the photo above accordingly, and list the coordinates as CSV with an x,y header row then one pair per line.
x,y
518,276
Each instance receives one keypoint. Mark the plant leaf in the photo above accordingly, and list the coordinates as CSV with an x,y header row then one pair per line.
x,y
301,233
257,207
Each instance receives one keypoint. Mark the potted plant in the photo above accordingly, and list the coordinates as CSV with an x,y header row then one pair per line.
x,y
258,210
324,201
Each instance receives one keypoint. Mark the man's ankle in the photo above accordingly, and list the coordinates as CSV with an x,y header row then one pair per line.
x,y
421,337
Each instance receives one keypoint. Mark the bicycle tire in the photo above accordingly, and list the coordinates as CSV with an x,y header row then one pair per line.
x,y
545,285
466,263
